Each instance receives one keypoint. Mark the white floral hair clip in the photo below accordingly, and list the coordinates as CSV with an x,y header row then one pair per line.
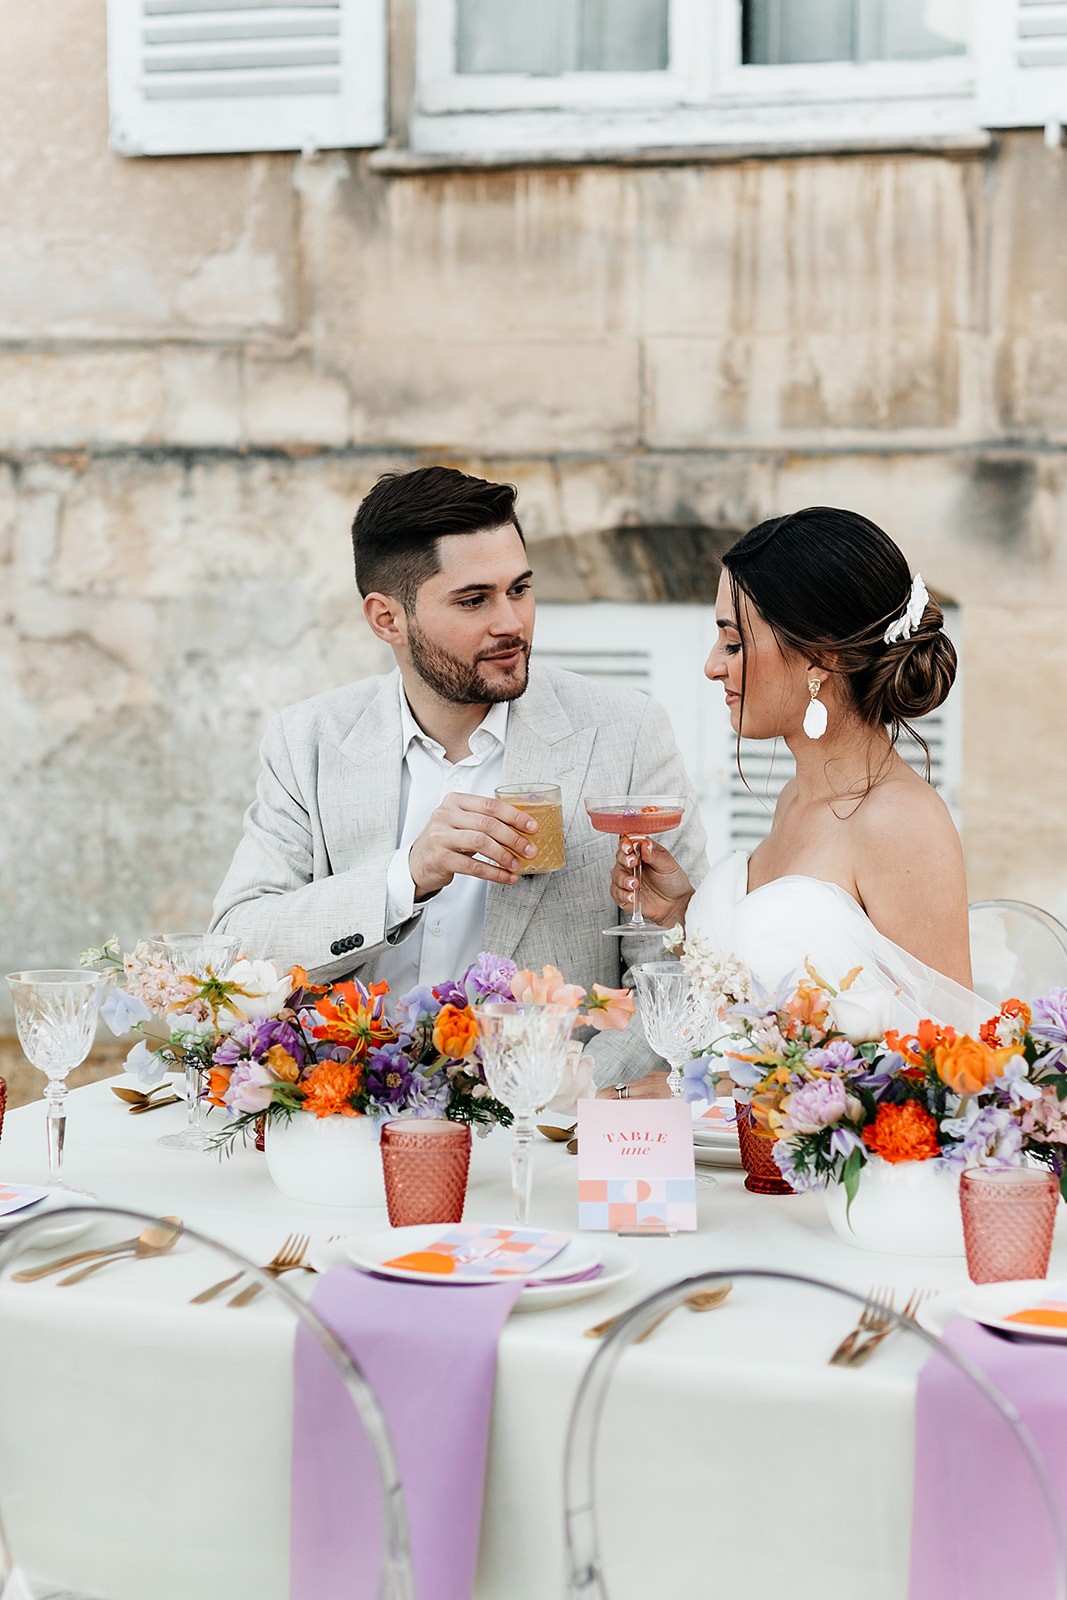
x,y
905,625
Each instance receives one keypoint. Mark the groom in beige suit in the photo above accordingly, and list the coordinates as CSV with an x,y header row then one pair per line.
x,y
374,846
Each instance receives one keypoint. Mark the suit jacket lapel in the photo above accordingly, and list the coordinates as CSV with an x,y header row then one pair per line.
x,y
372,747
543,746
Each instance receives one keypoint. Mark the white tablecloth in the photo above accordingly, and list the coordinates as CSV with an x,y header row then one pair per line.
x,y
731,1450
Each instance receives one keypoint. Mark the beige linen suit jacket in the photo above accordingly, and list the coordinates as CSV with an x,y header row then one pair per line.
x,y
307,883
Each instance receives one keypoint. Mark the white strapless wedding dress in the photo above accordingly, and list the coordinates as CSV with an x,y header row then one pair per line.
x,y
777,927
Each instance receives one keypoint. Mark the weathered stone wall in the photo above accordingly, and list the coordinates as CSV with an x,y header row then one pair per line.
x,y
205,362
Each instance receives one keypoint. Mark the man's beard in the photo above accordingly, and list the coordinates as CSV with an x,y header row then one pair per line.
x,y
460,681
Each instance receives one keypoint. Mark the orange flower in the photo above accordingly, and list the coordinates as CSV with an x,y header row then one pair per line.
x,y
282,1064
609,1010
903,1133
914,1047
218,1083
809,1008
350,1019
329,1087
455,1032
1011,1011
967,1065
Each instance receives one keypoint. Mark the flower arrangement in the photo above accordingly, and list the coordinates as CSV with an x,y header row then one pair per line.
x,y
833,1086
271,1045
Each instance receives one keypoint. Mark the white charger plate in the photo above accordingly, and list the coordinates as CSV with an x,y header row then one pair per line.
x,y
713,1155
616,1263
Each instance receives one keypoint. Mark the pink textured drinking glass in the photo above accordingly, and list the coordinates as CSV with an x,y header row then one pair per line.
x,y
425,1162
1008,1220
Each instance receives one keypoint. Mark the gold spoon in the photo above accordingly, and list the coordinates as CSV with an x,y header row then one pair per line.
x,y
137,1097
155,1240
154,1105
557,1135
32,1274
702,1300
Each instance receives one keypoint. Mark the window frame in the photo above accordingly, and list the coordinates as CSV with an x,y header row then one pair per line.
x,y
713,100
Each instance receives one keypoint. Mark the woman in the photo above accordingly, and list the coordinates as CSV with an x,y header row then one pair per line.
x,y
826,641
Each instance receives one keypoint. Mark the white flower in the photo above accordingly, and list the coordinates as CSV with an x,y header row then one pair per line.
x,y
862,1015
906,624
150,1068
262,991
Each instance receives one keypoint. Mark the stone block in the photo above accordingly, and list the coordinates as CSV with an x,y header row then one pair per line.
x,y
528,398
66,398
292,403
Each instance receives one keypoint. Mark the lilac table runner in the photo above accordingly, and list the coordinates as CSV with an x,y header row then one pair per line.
x,y
979,1527
429,1352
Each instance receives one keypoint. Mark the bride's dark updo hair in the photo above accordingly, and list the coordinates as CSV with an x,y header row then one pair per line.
x,y
829,583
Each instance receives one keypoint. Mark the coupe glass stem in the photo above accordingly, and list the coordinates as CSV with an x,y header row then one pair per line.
x,y
55,1098
637,919
521,1167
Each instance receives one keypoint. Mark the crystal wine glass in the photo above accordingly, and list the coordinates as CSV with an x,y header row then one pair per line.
x,y
635,817
55,1014
677,1018
196,956
524,1047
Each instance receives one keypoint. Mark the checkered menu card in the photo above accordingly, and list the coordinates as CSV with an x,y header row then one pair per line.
x,y
483,1251
635,1166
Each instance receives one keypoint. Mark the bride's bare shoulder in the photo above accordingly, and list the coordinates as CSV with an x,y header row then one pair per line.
x,y
905,815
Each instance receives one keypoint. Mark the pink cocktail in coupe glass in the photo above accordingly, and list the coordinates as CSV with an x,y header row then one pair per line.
x,y
635,817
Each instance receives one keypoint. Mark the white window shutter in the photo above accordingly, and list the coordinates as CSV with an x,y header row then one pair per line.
x,y
1021,63
197,77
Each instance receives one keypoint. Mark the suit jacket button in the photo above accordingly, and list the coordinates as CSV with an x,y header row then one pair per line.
x,y
356,940
336,947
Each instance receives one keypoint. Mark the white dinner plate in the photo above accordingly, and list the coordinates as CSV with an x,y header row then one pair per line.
x,y
616,1265
714,1155
992,1304
60,1232
370,1251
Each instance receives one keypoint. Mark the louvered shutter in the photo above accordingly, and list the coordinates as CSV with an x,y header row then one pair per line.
x,y
659,649
1021,63
192,77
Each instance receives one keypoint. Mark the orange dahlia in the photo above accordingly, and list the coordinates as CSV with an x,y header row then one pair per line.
x,y
902,1133
329,1087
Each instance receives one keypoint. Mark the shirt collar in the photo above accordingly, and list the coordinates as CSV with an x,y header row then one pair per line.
x,y
492,729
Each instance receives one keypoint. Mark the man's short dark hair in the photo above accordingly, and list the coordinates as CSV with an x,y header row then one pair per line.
x,y
396,529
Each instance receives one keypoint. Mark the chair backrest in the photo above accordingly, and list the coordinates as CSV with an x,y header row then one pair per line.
x,y
1016,950
748,1466
145,1441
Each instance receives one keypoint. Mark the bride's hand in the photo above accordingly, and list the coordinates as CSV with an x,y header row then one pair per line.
x,y
665,889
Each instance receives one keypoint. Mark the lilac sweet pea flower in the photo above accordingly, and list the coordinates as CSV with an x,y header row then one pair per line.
x,y
983,1135
150,1068
783,1160
698,1080
417,1003
121,1010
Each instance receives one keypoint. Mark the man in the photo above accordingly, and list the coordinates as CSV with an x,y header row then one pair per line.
x,y
374,845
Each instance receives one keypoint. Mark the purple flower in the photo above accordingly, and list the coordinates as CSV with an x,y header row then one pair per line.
x,y
1049,1024
121,1009
388,1075
487,978
450,993
698,1080
796,1178
251,1087
985,1135
816,1105
416,1004
837,1056
250,1041
843,1141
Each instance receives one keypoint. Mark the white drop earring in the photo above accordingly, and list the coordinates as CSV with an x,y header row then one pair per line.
x,y
815,715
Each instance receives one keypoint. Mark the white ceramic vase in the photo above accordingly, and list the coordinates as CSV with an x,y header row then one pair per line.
x,y
326,1161
903,1208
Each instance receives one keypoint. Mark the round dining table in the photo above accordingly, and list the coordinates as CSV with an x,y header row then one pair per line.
x,y
734,1459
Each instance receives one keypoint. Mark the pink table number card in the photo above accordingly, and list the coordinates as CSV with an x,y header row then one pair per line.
x,y
635,1166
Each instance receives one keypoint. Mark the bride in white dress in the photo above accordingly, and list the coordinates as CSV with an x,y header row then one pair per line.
x,y
826,640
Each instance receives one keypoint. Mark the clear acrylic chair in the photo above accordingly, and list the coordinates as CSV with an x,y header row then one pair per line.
x,y
1016,950
145,1442
738,1473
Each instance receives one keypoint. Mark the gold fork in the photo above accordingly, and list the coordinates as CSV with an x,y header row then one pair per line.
x,y
861,1352
279,1263
872,1319
293,1258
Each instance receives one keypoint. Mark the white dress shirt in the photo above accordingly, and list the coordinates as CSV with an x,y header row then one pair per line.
x,y
449,933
